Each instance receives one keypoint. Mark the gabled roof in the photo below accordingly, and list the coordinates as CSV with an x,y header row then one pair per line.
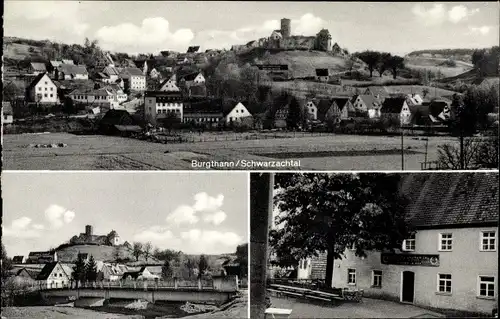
x,y
47,270
193,49
393,105
323,106
111,70
132,71
36,80
73,69
229,109
33,273
38,66
140,63
55,63
448,199
341,102
189,77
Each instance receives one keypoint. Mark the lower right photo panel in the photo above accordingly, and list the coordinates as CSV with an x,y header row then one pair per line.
x,y
374,245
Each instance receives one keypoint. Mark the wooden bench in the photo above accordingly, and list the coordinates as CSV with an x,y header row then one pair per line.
x,y
275,313
317,298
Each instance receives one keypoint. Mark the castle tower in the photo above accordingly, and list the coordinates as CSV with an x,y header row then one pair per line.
x,y
285,28
88,230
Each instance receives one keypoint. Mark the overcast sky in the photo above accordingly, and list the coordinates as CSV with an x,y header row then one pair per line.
x,y
192,212
143,26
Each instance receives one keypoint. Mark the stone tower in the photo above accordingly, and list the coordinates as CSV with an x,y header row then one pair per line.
x,y
88,230
285,28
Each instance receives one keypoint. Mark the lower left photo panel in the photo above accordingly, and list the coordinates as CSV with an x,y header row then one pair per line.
x,y
125,245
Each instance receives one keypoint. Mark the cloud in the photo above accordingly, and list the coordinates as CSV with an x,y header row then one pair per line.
x,y
57,216
182,215
206,203
20,228
155,234
307,25
53,20
459,13
432,16
153,35
484,30
216,218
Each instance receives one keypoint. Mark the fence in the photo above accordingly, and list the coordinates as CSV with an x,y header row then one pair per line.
x,y
201,284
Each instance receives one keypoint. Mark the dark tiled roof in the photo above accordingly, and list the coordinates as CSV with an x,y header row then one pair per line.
x,y
323,106
193,49
369,100
341,102
198,90
133,71
204,106
321,72
46,271
448,199
190,77
393,105
36,80
16,259
33,273
73,69
38,66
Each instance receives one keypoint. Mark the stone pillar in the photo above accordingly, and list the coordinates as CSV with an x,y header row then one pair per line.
x,y
176,284
200,286
261,205
145,285
135,285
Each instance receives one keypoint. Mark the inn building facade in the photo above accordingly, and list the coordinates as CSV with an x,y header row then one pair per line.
x,y
451,261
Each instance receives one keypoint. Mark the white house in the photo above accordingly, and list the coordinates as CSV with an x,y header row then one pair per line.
x,y
135,78
237,114
42,90
154,74
368,104
169,86
54,275
193,79
162,102
396,107
312,110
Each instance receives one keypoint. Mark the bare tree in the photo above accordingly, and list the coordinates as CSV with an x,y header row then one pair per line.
x,y
449,155
137,250
147,249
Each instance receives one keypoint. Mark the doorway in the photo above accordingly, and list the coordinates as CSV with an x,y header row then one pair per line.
x,y
408,286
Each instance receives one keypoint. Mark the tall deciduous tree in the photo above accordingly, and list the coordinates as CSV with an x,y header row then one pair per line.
x,y
242,259
295,114
202,265
330,212
383,63
166,270
395,63
371,58
137,250
147,250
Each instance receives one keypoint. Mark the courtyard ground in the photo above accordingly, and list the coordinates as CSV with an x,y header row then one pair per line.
x,y
324,152
369,308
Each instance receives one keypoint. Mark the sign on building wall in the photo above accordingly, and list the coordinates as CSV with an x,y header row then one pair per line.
x,y
412,260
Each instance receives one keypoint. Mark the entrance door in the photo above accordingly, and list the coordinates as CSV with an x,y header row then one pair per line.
x,y
408,286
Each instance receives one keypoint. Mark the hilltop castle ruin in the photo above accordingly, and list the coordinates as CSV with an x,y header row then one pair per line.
x,y
111,239
283,39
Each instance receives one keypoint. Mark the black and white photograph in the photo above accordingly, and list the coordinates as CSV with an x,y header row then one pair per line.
x,y
242,85
374,245
124,245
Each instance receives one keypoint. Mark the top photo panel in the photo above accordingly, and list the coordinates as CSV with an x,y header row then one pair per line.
x,y
105,85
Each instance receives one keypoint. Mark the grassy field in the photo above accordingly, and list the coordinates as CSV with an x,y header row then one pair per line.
x,y
116,153
436,64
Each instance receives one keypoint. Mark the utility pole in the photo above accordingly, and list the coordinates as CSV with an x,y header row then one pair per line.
x,y
261,206
402,149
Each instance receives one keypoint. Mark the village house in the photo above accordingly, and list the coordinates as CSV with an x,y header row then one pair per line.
x,y
237,114
7,113
312,110
54,275
142,274
342,108
112,73
110,272
188,80
169,85
142,65
18,260
42,90
162,102
451,261
28,273
322,75
182,59
396,107
41,257
117,122
379,92
193,49
430,113
154,74
134,79
367,104
36,68
71,72
414,99
103,97
208,112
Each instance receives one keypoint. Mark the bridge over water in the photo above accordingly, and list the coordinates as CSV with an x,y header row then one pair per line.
x,y
217,290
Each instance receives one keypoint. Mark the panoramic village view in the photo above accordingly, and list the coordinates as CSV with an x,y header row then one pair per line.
x,y
335,86
169,253
374,245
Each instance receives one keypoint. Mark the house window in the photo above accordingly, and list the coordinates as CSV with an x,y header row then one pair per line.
x,y
45,89
377,278
51,95
444,283
488,241
45,95
486,286
52,89
351,276
445,242
39,88
409,244
46,82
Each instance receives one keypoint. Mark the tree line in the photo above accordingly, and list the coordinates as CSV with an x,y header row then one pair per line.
x,y
381,62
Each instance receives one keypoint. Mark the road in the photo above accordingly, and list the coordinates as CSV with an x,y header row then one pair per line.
x,y
369,308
